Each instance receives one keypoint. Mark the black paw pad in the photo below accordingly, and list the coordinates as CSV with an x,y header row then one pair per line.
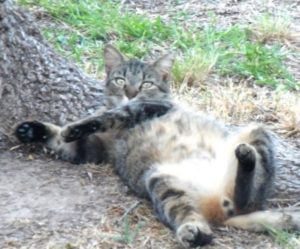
x,y
246,156
191,235
32,132
200,239
92,127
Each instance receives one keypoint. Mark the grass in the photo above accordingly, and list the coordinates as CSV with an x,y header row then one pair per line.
x,y
88,24
194,67
91,23
285,239
270,27
128,234
241,56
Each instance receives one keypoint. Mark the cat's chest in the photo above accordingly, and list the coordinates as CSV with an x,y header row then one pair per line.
x,y
177,139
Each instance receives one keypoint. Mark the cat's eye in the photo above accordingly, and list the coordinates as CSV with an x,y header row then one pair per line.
x,y
147,85
120,82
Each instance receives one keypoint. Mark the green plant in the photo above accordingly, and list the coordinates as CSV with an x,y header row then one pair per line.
x,y
194,67
284,238
239,55
128,234
230,51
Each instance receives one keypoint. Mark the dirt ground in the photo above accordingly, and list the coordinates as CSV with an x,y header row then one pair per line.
x,y
47,203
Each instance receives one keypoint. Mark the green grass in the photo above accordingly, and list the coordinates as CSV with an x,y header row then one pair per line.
x,y
88,24
240,55
91,23
129,233
285,239
194,67
99,20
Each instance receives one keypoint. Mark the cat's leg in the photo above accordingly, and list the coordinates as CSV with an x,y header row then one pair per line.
x,y
123,117
50,135
47,134
255,171
260,221
246,158
175,208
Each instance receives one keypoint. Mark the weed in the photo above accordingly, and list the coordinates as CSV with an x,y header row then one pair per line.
x,y
128,234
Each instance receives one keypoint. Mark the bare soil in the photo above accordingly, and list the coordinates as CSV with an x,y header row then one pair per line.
x,y
48,203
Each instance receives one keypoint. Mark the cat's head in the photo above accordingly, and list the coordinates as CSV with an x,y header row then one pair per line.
x,y
128,79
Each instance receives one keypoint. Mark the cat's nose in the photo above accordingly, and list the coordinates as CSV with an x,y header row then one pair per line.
x,y
131,91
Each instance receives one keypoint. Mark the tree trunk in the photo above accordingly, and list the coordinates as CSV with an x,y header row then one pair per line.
x,y
35,82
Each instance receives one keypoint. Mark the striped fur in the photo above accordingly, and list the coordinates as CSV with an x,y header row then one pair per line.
x,y
194,172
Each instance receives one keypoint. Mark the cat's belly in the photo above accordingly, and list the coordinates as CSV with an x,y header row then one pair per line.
x,y
209,183
202,175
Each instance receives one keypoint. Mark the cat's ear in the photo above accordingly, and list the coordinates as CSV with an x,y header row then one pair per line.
x,y
164,65
112,58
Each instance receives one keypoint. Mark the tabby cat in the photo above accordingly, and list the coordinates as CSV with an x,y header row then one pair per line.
x,y
195,173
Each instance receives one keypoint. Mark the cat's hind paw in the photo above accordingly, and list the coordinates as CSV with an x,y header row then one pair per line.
x,y
246,156
32,132
194,234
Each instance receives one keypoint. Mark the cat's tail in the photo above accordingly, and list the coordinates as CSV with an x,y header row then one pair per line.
x,y
261,221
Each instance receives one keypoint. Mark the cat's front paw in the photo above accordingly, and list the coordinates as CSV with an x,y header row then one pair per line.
x,y
156,109
80,130
32,132
194,234
246,155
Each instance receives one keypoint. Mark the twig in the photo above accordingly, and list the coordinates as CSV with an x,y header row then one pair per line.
x,y
297,204
90,175
129,210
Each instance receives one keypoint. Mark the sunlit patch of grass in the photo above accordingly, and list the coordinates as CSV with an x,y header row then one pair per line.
x,y
233,53
240,104
288,114
231,103
264,64
89,24
194,67
240,56
103,20
270,27
228,51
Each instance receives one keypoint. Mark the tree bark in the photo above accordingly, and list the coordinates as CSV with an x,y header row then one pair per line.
x,y
35,82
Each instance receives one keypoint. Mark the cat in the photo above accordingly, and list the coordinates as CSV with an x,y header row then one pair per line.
x,y
126,80
193,170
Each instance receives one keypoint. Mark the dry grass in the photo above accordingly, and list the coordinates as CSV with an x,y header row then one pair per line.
x,y
273,27
290,116
241,104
